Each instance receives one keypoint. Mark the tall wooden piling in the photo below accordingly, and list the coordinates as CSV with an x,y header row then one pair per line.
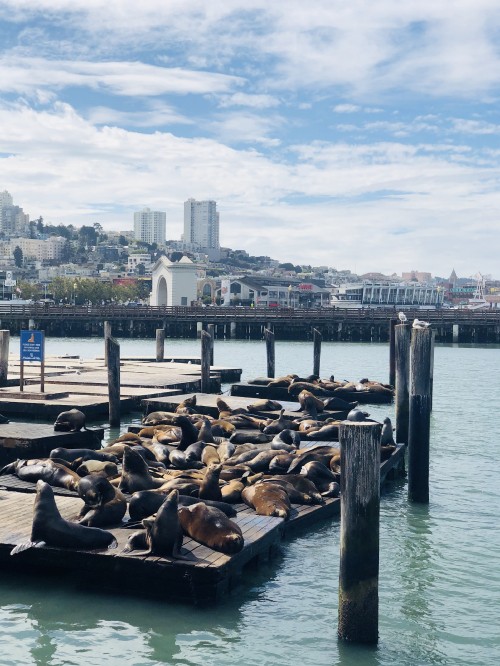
x,y
211,332
359,531
317,337
107,334
402,339
271,367
392,352
433,344
160,344
420,415
205,362
4,356
113,362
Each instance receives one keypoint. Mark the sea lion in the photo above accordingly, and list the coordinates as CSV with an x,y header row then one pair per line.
x,y
210,488
231,492
205,434
262,460
264,406
387,436
159,418
50,471
187,406
50,529
249,438
189,432
297,387
193,452
357,416
309,402
135,473
280,463
163,536
300,482
211,527
70,455
128,437
279,424
335,403
160,451
267,499
104,504
321,454
319,474
296,496
210,455
284,381
97,467
167,435
221,428
145,503
71,421
286,440
327,433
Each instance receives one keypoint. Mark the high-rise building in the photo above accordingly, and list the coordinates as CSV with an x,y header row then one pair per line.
x,y
13,220
201,226
149,226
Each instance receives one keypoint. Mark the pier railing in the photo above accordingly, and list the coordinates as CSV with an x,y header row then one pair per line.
x,y
43,312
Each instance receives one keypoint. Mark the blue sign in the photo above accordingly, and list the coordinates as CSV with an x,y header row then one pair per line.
x,y
32,345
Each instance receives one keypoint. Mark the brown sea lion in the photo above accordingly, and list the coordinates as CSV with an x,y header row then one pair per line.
x,y
159,418
221,428
309,402
128,437
210,488
211,527
235,472
172,435
264,406
321,454
284,381
47,470
231,492
50,529
210,455
147,502
226,450
104,504
187,406
327,433
205,434
319,474
295,496
267,499
280,463
97,467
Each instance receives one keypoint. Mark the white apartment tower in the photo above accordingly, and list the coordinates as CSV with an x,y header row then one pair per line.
x,y
149,226
201,226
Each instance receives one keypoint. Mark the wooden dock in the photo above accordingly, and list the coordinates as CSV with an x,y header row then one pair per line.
x,y
251,390
205,577
36,440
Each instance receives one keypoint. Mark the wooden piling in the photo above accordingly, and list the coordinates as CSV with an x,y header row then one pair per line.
x,y
107,334
205,362
4,356
402,339
420,414
317,337
359,531
433,344
113,356
211,331
269,337
160,344
392,353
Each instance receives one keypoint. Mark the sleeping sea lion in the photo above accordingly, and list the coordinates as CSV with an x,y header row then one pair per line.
x,y
264,406
267,499
97,467
211,527
210,455
286,440
51,472
70,455
249,438
104,504
231,492
334,404
159,418
49,528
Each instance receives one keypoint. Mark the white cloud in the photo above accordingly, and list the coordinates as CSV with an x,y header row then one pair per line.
x,y
346,108
253,101
157,116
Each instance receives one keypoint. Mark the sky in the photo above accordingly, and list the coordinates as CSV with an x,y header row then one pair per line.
x,y
358,135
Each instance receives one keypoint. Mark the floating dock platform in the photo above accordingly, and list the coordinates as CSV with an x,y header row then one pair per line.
x,y
280,393
206,576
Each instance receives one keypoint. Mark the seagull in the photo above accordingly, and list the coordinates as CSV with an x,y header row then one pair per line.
x,y
402,317
418,323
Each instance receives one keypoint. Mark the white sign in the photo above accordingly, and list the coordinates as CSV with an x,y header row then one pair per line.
x,y
9,282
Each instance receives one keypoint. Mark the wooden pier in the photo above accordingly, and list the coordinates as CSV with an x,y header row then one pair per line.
x,y
206,576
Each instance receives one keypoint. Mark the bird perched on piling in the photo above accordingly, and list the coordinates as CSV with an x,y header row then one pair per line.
x,y
402,317
418,323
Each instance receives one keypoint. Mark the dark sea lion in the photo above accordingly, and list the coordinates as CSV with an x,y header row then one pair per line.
x,y
279,424
193,452
264,406
357,416
286,440
50,529
70,455
147,502
205,434
135,473
249,438
221,428
210,455
210,488
104,504
211,527
71,421
164,534
319,474
334,404
235,472
262,461
387,436
322,454
333,490
97,467
184,486
295,496
387,451
327,433
49,471
267,499
280,463
160,451
316,390
189,431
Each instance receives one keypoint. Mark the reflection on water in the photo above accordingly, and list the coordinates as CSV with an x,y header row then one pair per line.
x,y
439,564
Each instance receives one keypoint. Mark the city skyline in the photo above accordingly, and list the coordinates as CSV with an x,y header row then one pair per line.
x,y
323,139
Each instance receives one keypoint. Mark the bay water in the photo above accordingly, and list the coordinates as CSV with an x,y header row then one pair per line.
x,y
439,563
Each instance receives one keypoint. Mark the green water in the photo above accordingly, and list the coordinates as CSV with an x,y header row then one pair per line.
x,y
439,564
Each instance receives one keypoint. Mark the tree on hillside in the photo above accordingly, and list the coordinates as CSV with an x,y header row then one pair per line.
x,y
18,256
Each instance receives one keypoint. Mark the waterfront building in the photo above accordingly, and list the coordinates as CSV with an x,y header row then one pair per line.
x,y
173,282
272,292
150,226
386,293
201,226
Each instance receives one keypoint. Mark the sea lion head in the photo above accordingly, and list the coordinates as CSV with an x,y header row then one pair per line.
x,y
95,490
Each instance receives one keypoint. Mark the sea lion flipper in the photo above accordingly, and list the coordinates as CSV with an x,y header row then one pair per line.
x,y
113,544
26,545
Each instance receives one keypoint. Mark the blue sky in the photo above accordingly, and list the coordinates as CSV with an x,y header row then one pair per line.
x,y
357,135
